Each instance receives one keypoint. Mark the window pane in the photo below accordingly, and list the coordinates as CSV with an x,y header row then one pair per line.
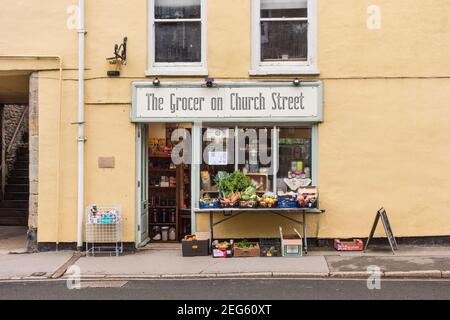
x,y
284,40
295,153
284,9
218,157
177,9
178,42
255,156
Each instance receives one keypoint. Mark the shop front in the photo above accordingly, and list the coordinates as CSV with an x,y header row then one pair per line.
x,y
208,150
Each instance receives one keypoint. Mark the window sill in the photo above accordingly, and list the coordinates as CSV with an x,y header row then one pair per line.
x,y
264,71
177,71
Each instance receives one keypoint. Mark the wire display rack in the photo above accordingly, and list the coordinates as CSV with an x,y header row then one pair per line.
x,y
103,230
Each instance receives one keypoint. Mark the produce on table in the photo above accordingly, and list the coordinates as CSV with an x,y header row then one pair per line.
x,y
207,200
249,194
307,198
232,186
268,200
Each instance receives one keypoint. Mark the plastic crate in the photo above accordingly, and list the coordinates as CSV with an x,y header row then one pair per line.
x,y
213,205
196,248
270,248
355,245
287,202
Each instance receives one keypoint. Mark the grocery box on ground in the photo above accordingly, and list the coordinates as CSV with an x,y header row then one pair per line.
x,y
355,245
291,244
245,248
222,249
194,246
270,247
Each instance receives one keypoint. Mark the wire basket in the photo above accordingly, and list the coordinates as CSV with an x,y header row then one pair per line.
x,y
104,230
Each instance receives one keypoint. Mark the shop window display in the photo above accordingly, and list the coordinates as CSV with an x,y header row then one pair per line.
x,y
239,167
295,163
255,157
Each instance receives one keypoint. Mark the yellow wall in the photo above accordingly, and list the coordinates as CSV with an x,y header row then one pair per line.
x,y
384,141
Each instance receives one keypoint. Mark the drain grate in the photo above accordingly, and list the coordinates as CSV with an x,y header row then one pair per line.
x,y
102,284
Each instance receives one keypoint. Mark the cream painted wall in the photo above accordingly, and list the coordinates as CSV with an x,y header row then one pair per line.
x,y
384,140
383,143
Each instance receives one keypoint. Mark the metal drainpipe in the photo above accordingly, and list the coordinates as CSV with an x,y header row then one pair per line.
x,y
81,137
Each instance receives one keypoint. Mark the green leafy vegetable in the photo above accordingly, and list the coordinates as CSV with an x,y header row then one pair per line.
x,y
232,183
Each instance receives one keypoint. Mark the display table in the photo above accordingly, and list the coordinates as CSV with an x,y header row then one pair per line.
x,y
231,213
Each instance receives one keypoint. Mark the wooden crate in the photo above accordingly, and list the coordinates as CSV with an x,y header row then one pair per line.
x,y
252,252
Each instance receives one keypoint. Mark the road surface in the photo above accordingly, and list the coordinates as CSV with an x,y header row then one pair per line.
x,y
224,290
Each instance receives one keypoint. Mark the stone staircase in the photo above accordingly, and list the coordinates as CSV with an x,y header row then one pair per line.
x,y
14,206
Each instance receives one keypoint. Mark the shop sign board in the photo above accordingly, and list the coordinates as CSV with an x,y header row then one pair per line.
x,y
228,102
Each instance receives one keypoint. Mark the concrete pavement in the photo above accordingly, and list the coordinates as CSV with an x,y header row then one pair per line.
x,y
13,239
162,262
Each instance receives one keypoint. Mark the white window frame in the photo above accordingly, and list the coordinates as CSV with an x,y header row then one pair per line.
x,y
176,68
284,67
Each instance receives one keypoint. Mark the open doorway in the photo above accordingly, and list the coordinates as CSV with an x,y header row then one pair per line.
x,y
165,192
15,162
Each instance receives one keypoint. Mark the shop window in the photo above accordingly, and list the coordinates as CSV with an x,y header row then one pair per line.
x,y
177,37
277,159
218,156
294,158
255,156
284,37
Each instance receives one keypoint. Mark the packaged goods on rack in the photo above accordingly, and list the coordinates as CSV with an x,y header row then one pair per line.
x,y
98,216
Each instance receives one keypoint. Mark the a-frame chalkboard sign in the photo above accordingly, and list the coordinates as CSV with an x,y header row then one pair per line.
x,y
382,214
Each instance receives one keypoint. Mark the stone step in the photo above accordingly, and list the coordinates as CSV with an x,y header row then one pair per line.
x,y
19,204
19,173
17,196
25,158
18,180
13,212
17,188
21,165
13,221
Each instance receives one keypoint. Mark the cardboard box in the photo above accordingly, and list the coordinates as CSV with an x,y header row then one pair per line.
x,y
291,244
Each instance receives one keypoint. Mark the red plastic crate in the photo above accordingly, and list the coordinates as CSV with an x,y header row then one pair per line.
x,y
355,245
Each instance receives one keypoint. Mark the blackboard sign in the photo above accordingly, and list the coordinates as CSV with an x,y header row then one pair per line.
x,y
382,214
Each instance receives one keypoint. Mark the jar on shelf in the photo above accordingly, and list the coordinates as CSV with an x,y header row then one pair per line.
x,y
165,233
172,234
